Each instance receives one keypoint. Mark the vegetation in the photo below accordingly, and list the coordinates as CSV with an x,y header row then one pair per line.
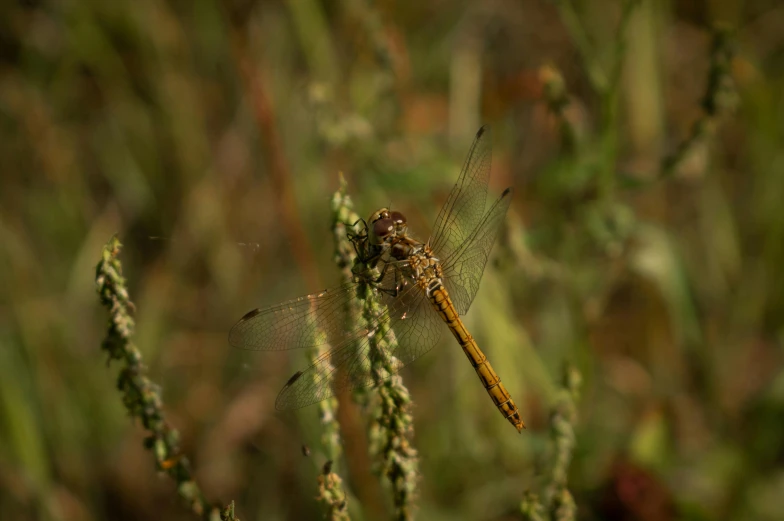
x,y
643,252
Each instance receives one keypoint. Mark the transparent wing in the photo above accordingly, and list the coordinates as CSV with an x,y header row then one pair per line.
x,y
463,270
409,328
462,239
465,206
412,329
290,325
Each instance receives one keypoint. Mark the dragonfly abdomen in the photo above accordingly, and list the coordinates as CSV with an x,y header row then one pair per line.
x,y
443,305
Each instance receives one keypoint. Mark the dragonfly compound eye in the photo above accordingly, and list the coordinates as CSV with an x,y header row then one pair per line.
x,y
397,217
381,213
383,228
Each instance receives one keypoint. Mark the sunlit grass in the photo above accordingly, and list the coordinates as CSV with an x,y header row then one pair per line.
x,y
644,245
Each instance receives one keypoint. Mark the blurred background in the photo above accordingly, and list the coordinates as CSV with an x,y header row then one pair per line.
x,y
645,244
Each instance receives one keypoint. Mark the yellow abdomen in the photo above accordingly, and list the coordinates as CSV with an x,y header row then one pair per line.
x,y
492,383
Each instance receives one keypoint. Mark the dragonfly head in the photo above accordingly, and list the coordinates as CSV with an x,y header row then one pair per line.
x,y
386,225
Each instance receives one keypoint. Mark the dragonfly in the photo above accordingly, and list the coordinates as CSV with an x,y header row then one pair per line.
x,y
425,289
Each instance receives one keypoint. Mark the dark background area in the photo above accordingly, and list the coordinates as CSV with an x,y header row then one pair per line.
x,y
222,127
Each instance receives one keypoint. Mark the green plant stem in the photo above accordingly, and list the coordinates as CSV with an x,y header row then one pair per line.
x,y
610,106
331,493
532,507
555,501
570,18
343,220
564,416
141,396
391,423
605,80
720,95
330,485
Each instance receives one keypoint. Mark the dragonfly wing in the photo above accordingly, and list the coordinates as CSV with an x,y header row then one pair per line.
x,y
292,324
465,206
408,327
463,270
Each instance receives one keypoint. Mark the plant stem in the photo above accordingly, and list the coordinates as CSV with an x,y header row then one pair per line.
x,y
555,502
141,397
391,423
720,96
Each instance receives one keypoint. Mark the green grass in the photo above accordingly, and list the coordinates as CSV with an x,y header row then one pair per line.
x,y
644,246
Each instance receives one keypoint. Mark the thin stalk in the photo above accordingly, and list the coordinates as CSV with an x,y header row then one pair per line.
x,y
555,501
570,19
330,484
142,397
720,95
610,106
331,493
391,424
388,402
562,420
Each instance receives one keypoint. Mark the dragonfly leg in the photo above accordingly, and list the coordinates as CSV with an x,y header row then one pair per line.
x,y
354,242
360,235
358,238
399,278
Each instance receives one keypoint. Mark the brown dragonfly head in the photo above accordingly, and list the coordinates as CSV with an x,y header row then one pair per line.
x,y
385,226
388,233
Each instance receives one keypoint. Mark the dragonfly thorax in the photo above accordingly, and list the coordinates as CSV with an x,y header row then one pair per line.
x,y
388,237
425,269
